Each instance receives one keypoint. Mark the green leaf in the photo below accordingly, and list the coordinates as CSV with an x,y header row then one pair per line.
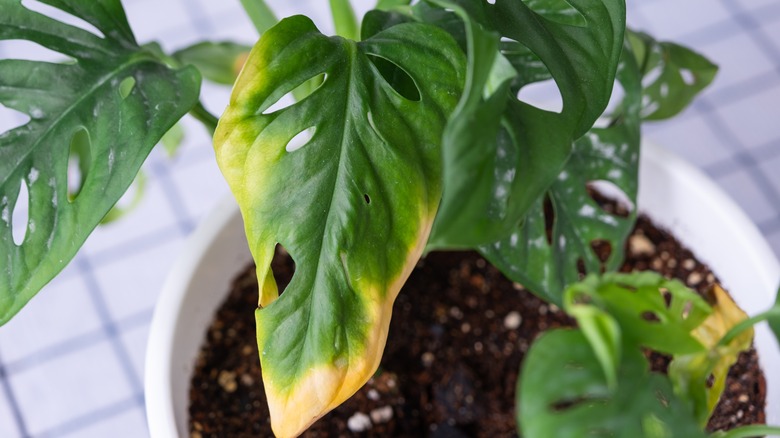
x,y
652,311
218,62
560,11
121,95
493,175
353,206
546,261
562,392
385,5
674,75
603,334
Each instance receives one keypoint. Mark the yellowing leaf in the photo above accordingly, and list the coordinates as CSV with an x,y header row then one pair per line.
x,y
690,372
353,205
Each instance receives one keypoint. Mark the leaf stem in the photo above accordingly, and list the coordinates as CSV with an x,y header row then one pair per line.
x,y
260,13
746,324
344,19
204,116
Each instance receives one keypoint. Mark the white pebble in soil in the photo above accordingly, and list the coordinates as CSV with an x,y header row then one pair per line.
x,y
359,422
382,415
373,394
512,320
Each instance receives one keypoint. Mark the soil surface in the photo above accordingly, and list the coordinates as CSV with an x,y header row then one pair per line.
x,y
458,335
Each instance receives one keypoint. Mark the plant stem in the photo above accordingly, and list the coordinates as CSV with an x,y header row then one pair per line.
x,y
344,19
746,324
261,15
204,116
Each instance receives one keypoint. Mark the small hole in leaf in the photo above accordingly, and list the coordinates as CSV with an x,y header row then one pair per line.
x,y
650,317
126,87
60,15
79,163
686,312
603,249
581,268
367,198
544,95
611,198
570,403
20,218
615,101
300,140
687,76
282,99
397,78
283,268
11,119
30,51
549,218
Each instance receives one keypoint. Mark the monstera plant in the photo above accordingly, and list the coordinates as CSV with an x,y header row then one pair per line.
x,y
408,135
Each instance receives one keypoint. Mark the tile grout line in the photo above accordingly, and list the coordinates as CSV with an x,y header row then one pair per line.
x,y
109,326
16,410
77,343
95,416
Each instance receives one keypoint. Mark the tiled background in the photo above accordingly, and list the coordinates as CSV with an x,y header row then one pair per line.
x,y
71,363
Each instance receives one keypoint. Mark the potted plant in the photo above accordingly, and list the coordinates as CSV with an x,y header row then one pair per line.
x,y
415,140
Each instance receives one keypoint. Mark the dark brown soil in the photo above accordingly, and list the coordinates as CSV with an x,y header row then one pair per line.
x,y
458,335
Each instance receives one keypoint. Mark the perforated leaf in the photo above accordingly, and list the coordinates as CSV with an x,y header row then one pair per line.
x,y
494,174
673,75
562,392
353,206
119,94
545,260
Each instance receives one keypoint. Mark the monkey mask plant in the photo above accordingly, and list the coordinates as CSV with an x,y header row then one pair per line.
x,y
415,140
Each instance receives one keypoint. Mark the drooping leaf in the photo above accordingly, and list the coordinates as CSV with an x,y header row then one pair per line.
x,y
353,206
119,94
494,174
218,62
673,75
546,260
700,377
562,392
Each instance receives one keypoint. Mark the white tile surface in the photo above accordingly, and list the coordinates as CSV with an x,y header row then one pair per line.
x,y
68,387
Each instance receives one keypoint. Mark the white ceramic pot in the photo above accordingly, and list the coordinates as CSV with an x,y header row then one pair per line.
x,y
676,196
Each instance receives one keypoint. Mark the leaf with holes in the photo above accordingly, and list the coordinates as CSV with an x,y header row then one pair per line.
x,y
570,229
700,378
652,311
562,392
353,205
673,75
494,175
115,93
